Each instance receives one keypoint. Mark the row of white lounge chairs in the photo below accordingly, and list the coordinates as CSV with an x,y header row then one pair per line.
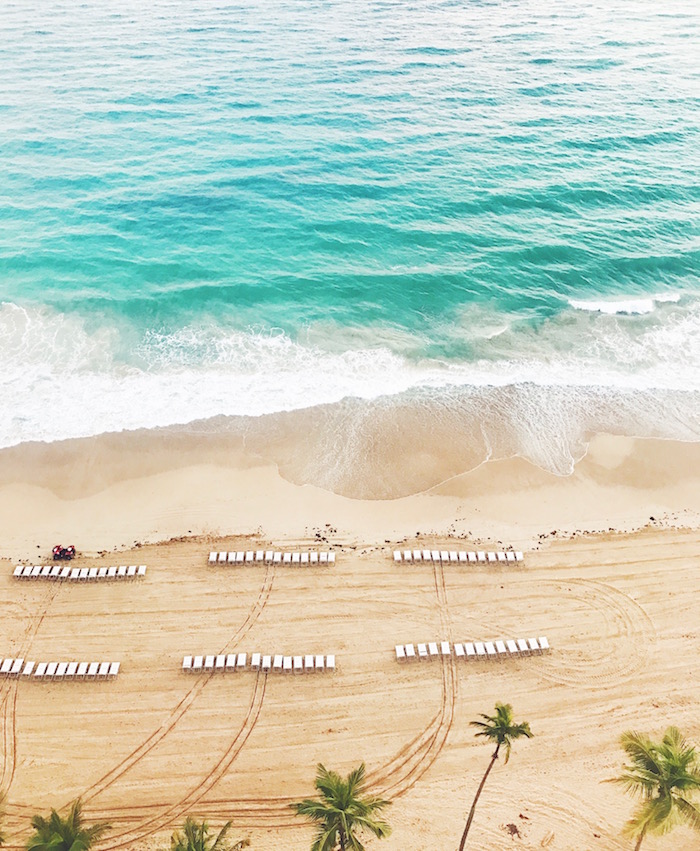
x,y
473,650
58,670
313,557
82,574
229,662
456,555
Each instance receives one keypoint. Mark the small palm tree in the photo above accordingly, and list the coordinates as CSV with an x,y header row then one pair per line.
x,y
663,775
501,730
342,810
195,837
69,834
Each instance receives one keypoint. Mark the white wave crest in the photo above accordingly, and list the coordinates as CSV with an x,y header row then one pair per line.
x,y
628,306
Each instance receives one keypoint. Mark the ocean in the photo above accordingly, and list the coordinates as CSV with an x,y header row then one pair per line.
x,y
475,222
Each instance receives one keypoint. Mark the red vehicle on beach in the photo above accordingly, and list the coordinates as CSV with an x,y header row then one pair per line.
x,y
61,553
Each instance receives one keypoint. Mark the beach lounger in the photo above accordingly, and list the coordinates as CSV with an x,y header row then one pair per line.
x,y
400,653
255,662
287,666
444,555
266,663
417,555
469,650
277,558
36,571
27,572
17,572
71,670
65,572
314,558
113,669
242,660
28,669
522,647
319,663
259,555
407,555
459,651
209,663
330,663
544,644
481,555
296,558
111,573
304,558
92,670
212,558
422,652
269,555
45,571
223,556
51,670
278,662
501,649
121,573
298,664
40,670
250,555
501,556
220,663
435,555
82,671
231,557
103,670
518,556
6,666
92,573
308,663
427,555
231,662
323,558
490,649
142,570
287,558
74,574
240,557
463,555
533,645
331,558
445,648
453,555
61,670
512,647
471,556
102,573
492,556
131,572
480,650
510,556
433,650
16,667
197,663
83,574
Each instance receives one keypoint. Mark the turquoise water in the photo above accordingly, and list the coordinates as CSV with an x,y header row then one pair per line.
x,y
211,208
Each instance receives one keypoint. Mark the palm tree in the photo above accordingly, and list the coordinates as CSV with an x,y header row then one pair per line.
x,y
662,774
69,834
342,810
500,730
195,837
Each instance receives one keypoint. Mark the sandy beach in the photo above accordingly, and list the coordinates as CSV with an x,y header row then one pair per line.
x,y
609,575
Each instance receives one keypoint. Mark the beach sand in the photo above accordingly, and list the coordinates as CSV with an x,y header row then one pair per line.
x,y
610,576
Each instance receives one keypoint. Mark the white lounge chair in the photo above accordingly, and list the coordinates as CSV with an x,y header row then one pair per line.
x,y
269,555
142,570
250,555
469,650
313,557
518,556
92,670
17,572
278,662
319,663
422,652
61,669
407,555
435,555
103,670
65,572
330,663
417,555
113,669
480,650
298,664
220,663
102,573
51,669
400,653
331,558
501,649
459,651
223,556
445,648
255,662
492,556
287,665
533,645
6,666
242,661
231,559
453,555
323,558
287,558
209,663
522,647
92,573
259,555
277,558
433,650
82,671
16,667
463,555
308,663
28,669
71,670
512,647
27,572
45,571
480,555
231,662
427,555
410,653
490,650
212,558
197,663
501,556
510,556
544,644
240,556
266,663
304,558
131,572
444,555
296,558
121,573
40,670
36,571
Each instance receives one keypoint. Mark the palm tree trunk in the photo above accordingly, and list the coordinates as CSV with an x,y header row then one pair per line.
x,y
341,836
476,799
639,841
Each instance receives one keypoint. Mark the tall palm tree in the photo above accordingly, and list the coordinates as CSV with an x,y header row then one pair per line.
x,y
342,810
663,774
195,837
70,834
501,730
